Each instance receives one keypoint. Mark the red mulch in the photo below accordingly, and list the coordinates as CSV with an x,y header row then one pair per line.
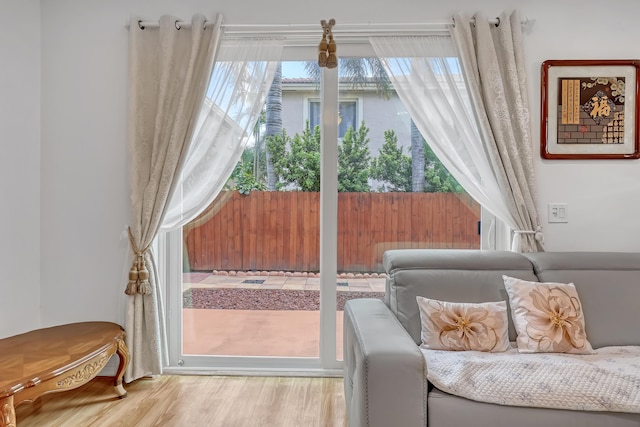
x,y
265,299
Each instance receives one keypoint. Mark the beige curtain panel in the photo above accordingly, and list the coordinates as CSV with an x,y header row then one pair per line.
x,y
169,69
493,66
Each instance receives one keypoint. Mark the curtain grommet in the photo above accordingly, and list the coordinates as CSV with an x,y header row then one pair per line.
x,y
140,24
177,24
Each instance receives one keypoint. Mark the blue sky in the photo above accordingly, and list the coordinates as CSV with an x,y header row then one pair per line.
x,y
293,69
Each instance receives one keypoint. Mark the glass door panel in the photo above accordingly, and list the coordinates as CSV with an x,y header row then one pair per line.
x,y
251,260
393,191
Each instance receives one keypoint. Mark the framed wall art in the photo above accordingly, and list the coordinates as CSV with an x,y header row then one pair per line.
x,y
590,109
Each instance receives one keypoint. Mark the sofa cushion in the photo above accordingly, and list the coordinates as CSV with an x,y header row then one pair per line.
x,y
460,326
448,275
547,316
609,288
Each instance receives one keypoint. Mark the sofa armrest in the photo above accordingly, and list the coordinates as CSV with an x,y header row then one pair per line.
x,y
385,377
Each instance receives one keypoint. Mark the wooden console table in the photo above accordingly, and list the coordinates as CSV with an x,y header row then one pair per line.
x,y
56,359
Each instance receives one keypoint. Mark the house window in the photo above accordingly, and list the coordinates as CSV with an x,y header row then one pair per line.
x,y
347,110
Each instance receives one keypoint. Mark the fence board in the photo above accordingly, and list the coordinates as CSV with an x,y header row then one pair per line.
x,y
314,231
438,223
377,234
215,225
416,226
280,230
342,224
347,238
291,253
300,226
252,233
364,229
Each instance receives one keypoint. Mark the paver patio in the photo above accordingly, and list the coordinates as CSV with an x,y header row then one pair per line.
x,y
284,333
207,280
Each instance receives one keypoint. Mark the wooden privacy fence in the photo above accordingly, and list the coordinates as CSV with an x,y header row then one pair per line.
x,y
280,231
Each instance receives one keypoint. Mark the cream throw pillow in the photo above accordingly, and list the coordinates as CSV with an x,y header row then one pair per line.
x,y
464,326
547,316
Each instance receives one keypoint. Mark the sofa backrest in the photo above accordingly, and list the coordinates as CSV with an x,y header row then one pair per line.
x,y
448,275
608,285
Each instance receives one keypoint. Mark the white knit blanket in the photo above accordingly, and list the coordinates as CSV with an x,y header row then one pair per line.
x,y
608,380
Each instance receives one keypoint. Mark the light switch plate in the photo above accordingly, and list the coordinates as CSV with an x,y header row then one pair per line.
x,y
558,212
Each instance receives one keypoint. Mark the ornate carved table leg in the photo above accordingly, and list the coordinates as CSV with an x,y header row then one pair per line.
x,y
123,354
7,412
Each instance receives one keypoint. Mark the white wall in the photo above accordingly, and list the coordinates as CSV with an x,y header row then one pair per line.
x,y
84,171
603,195
84,161
19,166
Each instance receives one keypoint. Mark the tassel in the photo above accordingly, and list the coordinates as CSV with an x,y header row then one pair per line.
x,y
144,287
322,52
332,59
327,50
132,286
139,274
132,289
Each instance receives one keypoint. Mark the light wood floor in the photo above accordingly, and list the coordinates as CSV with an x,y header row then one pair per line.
x,y
172,400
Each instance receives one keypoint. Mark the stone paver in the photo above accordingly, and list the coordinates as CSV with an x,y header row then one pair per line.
x,y
202,280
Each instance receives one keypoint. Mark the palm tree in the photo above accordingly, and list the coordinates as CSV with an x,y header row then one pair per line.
x,y
357,73
273,122
257,136
417,159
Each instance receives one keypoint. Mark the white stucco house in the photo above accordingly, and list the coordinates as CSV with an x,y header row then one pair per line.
x,y
301,102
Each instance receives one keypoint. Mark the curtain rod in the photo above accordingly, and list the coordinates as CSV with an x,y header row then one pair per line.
x,y
301,35
246,29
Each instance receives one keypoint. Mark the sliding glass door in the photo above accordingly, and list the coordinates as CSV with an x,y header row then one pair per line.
x,y
333,175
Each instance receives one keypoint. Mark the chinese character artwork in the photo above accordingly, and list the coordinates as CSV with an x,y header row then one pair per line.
x,y
591,110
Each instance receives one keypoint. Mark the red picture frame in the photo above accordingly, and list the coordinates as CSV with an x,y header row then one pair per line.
x,y
589,109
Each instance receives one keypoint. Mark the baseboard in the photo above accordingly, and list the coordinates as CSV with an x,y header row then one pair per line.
x,y
312,373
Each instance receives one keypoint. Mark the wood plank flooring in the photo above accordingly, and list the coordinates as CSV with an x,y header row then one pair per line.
x,y
172,400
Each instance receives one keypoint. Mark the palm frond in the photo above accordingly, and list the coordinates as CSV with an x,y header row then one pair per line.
x,y
357,73
313,70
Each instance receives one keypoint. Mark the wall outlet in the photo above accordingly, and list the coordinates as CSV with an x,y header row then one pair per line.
x,y
558,212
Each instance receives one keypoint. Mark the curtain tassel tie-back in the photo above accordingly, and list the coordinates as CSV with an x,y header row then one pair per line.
x,y
138,274
537,233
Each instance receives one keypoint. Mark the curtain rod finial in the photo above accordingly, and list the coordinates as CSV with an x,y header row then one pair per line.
x,y
527,25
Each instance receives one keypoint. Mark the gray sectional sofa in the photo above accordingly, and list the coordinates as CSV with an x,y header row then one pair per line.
x,y
384,370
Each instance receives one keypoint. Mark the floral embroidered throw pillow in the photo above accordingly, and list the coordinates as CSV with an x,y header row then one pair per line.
x,y
547,316
464,326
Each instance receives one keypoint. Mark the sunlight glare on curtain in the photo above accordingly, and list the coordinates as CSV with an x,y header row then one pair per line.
x,y
427,76
237,90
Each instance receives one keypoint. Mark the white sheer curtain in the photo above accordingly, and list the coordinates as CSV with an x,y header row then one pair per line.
x,y
426,75
241,78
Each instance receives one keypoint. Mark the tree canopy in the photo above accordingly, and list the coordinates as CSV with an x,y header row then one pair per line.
x,y
296,160
354,161
296,164
392,167
437,178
